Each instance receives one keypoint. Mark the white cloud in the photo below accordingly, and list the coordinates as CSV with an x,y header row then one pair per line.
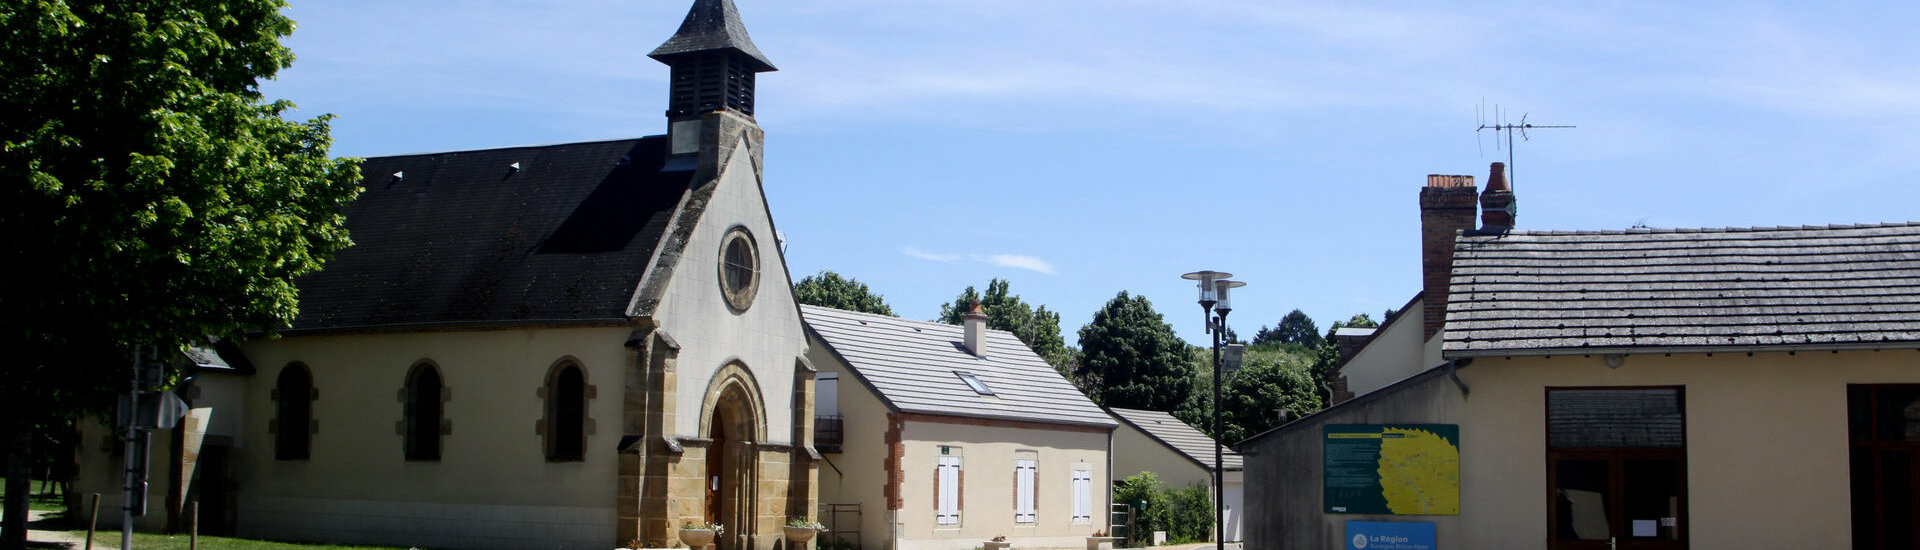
x,y
924,255
1018,262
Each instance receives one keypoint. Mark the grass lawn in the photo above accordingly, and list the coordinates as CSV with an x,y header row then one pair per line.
x,y
155,541
36,502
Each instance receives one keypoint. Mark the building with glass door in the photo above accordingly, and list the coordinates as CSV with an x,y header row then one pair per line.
x,y
1694,388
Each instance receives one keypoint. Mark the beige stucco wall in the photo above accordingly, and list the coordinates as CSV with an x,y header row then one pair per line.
x,y
767,337
493,487
857,474
1396,352
987,460
1767,456
1135,452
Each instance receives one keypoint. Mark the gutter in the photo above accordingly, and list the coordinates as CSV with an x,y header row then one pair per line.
x,y
1669,350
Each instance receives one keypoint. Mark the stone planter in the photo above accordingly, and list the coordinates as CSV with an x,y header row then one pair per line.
x,y
997,545
1101,543
696,538
798,536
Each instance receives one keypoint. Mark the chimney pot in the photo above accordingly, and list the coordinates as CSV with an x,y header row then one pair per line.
x,y
1497,206
974,324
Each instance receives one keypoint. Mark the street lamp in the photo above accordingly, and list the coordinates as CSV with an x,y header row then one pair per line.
x,y
1215,303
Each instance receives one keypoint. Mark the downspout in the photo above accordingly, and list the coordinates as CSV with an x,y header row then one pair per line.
x,y
1107,513
1452,372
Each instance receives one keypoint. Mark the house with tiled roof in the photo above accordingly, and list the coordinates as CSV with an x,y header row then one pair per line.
x,y
946,436
1643,388
580,345
1180,456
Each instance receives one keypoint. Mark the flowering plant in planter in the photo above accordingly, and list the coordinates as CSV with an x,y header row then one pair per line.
x,y
802,523
717,528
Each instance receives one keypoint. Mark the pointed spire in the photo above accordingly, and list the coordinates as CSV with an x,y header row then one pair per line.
x,y
712,26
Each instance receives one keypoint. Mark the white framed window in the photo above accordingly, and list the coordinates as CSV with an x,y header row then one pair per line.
x,y
946,491
1082,497
1024,470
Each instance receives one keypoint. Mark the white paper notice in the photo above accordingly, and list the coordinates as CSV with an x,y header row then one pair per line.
x,y
1646,528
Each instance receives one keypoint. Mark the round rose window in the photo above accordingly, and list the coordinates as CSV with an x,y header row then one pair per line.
x,y
739,268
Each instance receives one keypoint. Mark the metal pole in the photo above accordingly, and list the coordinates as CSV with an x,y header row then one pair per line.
x,y
1219,514
93,518
126,487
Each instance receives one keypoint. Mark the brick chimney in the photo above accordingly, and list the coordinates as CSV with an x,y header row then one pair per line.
x,y
975,326
1447,207
1496,204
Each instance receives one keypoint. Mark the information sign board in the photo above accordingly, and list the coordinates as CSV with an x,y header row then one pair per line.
x,y
1401,469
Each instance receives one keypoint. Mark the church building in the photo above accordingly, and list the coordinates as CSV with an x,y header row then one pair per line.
x,y
584,345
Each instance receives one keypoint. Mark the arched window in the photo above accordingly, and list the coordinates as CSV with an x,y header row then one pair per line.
x,y
566,418
292,424
426,410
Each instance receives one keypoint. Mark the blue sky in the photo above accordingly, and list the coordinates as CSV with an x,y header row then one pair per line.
x,y
1080,148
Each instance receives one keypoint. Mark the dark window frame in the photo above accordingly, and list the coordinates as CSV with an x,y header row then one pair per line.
x,y
1616,457
1869,440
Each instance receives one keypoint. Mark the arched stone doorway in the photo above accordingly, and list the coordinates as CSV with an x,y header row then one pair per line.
x,y
734,425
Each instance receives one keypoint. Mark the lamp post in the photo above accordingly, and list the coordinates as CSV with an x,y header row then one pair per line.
x,y
1215,303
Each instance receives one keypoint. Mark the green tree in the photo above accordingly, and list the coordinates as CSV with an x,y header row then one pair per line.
x,y
1038,328
1274,385
1131,359
152,196
1186,514
1148,497
1295,328
1189,516
829,289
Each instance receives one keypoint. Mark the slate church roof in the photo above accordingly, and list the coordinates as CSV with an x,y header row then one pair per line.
x,y
1666,290
1179,436
712,25
465,237
912,366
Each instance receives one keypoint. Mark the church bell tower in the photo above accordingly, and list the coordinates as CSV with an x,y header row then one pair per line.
x,y
713,63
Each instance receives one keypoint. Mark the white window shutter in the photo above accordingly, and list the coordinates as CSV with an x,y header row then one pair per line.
x,y
1024,491
949,489
1082,496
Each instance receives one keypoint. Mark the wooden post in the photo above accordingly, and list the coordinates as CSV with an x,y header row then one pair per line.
x,y
193,529
93,518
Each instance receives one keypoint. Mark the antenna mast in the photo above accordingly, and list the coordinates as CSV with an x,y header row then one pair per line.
x,y
1500,125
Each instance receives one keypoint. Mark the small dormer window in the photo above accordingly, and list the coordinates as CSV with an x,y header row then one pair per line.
x,y
975,383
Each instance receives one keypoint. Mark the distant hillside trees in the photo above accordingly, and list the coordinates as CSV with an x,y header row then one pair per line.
x,y
829,289
1296,328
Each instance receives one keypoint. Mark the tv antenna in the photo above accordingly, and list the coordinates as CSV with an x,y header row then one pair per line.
x,y
1500,125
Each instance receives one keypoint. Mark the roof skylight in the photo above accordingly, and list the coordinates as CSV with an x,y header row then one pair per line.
x,y
974,382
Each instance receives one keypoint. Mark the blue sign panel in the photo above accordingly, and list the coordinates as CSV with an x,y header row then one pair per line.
x,y
1389,535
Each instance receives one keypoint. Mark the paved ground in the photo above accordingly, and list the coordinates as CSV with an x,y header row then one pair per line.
x,y
41,538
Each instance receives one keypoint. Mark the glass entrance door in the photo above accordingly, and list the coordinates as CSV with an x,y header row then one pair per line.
x,y
1884,437
1616,469
1629,499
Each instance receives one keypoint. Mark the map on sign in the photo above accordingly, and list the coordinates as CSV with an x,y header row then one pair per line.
x,y
1409,469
